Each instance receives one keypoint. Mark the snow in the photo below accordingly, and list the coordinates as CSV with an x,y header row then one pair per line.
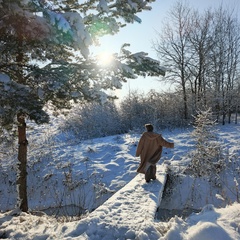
x,y
209,224
102,6
121,210
4,78
125,204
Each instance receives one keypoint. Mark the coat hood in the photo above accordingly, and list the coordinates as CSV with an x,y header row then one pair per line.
x,y
151,135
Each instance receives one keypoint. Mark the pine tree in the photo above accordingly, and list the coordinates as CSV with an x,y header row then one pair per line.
x,y
45,60
207,158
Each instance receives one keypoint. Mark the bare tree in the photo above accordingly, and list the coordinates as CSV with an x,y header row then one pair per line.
x,y
232,62
201,44
173,47
200,52
225,61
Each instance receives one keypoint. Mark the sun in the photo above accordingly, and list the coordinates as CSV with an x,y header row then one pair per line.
x,y
105,58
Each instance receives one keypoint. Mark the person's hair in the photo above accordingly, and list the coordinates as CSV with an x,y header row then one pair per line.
x,y
149,127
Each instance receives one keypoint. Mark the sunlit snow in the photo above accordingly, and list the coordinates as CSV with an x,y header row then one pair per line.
x,y
111,162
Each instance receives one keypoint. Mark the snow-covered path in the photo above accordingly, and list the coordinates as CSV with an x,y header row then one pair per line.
x,y
128,214
131,209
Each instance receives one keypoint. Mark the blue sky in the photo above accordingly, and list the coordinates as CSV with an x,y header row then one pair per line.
x,y
140,36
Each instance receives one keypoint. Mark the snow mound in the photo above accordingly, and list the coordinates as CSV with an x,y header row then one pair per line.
x,y
210,224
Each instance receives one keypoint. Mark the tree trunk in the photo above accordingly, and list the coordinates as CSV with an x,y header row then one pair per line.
x,y
236,114
22,164
185,101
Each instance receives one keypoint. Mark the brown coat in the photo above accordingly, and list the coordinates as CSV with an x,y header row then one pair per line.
x,y
150,149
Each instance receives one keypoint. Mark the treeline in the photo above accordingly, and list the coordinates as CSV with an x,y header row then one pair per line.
x,y
164,110
94,119
201,53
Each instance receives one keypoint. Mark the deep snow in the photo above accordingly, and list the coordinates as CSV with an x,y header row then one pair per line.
x,y
66,171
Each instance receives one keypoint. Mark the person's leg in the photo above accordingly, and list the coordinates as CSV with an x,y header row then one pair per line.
x,y
153,173
148,174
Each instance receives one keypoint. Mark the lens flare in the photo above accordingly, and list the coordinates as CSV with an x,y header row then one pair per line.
x,y
105,58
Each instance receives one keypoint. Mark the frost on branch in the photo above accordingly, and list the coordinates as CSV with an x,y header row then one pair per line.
x,y
102,6
17,97
81,37
128,9
70,28
144,65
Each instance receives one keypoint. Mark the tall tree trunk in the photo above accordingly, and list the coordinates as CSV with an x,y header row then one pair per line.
x,y
22,140
184,98
22,164
185,104
236,115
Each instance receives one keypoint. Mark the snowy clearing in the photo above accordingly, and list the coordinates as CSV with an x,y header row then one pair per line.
x,y
111,160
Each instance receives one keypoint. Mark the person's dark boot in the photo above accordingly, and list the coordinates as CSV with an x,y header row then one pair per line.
x,y
148,175
153,172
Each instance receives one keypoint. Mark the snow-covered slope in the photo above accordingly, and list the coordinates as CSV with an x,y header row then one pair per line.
x,y
111,160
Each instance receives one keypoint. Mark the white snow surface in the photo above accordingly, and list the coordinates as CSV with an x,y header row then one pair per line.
x,y
130,211
210,224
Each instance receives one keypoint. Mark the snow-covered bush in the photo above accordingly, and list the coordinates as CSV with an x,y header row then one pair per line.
x,y
134,111
207,159
93,119
163,110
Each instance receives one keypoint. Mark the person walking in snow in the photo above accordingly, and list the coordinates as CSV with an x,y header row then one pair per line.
x,y
150,149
